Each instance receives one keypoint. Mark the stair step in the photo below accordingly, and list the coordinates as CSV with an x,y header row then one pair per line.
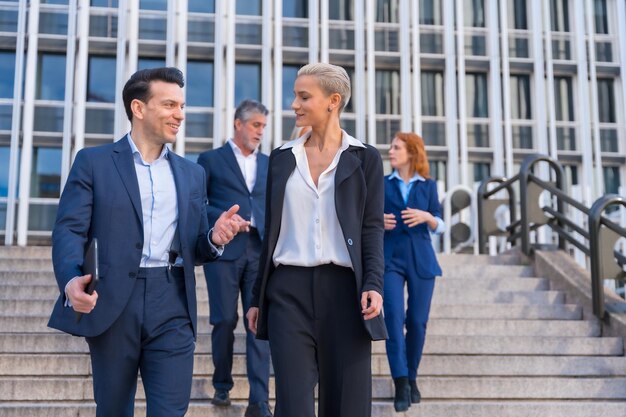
x,y
486,271
446,260
36,252
428,408
435,344
27,308
436,326
441,295
432,365
451,388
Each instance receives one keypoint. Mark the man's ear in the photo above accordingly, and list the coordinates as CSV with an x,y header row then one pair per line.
x,y
238,124
137,108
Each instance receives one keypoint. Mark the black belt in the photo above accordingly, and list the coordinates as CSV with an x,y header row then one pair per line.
x,y
160,271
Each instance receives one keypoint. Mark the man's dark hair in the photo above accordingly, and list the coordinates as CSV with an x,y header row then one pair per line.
x,y
138,86
247,107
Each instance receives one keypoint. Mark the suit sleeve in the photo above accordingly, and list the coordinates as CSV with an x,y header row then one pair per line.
x,y
213,213
71,229
373,224
204,251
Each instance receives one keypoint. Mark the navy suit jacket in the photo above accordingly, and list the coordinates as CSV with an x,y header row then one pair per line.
x,y
101,200
359,206
226,186
422,196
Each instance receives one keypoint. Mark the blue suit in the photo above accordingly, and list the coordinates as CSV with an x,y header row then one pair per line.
x,y
102,200
237,268
410,258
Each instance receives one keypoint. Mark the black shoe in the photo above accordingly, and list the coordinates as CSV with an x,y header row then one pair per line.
x,y
221,398
261,409
416,396
402,399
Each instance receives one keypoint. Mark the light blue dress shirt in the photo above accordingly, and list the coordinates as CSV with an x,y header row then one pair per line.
x,y
405,188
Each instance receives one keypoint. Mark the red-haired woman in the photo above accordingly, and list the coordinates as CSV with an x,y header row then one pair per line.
x,y
412,213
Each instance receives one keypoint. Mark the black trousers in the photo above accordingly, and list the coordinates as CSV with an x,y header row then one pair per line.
x,y
316,337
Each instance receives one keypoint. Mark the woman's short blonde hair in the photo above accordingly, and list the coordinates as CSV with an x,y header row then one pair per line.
x,y
332,79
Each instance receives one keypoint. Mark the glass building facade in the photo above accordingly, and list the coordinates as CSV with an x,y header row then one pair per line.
x,y
486,82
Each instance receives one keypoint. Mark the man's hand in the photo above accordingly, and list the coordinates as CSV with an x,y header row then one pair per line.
x,y
226,227
244,225
371,303
253,316
80,300
390,221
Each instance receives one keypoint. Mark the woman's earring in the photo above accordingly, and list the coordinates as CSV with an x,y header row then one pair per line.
x,y
330,109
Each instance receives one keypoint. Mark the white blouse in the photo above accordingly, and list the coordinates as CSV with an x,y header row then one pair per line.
x,y
310,233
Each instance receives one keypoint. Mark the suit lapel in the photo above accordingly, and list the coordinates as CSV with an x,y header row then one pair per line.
x,y
231,161
282,166
123,160
348,163
182,189
261,171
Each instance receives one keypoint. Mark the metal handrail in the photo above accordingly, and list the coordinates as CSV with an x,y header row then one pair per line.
x,y
602,233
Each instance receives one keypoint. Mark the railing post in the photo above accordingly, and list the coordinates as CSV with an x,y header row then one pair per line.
x,y
524,179
595,247
482,199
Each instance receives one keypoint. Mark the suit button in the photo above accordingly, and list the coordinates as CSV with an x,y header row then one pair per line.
x,y
139,246
132,275
350,242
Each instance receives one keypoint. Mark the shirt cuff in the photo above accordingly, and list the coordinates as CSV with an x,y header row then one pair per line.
x,y
68,303
215,250
441,227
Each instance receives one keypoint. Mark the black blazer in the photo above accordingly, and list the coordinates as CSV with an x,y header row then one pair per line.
x,y
359,201
226,186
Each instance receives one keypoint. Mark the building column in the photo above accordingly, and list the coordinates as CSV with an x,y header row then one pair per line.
x,y
371,71
495,86
68,106
450,103
360,82
278,73
416,75
462,177
180,60
80,77
506,91
405,66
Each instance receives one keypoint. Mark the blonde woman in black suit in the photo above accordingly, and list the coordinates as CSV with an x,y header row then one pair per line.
x,y
318,294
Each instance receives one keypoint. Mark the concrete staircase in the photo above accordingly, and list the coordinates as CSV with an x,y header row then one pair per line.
x,y
500,343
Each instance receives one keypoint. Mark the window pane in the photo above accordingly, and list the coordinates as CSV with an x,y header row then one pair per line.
x,y
199,125
101,81
5,152
387,11
611,180
430,12
290,72
42,216
51,77
434,133
6,112
387,92
606,101
145,63
8,21
153,4
563,99
54,1
476,96
103,26
247,82
152,28
99,121
295,8
201,6
559,15
341,10
46,174
7,73
48,119
566,138
482,171
474,13
199,91
53,23
249,7
601,17
520,97
201,31
248,33
104,3
517,17
432,93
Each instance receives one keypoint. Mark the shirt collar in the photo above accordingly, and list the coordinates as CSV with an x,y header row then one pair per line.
x,y
346,141
237,150
135,151
415,177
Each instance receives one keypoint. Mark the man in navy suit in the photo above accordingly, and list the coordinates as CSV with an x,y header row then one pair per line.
x,y
147,208
236,173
